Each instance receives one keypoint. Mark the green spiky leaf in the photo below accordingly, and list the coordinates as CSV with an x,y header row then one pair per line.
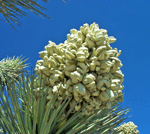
x,y
11,10
22,112
10,69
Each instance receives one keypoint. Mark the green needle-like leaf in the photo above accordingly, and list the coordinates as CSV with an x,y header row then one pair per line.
x,y
22,111
11,9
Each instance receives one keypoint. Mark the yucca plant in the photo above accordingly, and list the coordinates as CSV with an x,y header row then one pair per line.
x,y
20,114
30,107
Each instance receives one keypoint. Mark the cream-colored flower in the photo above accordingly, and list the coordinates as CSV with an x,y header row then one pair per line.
x,y
127,128
84,66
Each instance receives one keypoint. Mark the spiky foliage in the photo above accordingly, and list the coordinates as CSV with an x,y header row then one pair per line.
x,y
20,114
106,120
11,10
10,69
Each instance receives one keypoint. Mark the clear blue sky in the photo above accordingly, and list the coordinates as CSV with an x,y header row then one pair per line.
x,y
127,20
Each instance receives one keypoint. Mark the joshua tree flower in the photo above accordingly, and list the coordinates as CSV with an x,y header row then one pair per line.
x,y
126,128
84,66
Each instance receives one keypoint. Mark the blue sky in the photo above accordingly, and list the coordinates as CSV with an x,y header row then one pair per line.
x,y
128,21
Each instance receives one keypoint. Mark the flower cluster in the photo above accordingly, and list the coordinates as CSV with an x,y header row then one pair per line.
x,y
127,128
84,66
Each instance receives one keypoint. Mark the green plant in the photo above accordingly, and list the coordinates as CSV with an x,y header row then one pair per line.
x,y
19,113
10,69
56,101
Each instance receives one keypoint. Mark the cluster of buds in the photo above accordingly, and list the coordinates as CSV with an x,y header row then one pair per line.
x,y
84,66
127,128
